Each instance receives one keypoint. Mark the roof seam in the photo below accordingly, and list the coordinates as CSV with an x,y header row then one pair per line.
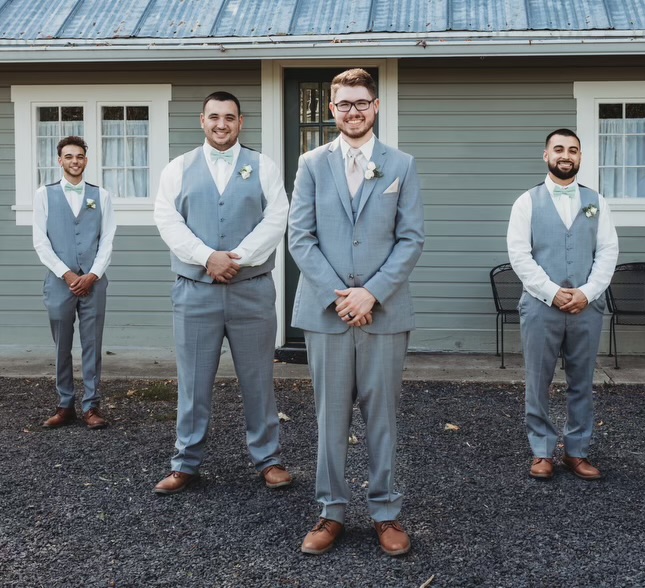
x,y
68,18
142,18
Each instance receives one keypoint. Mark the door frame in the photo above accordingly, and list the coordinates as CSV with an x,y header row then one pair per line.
x,y
272,82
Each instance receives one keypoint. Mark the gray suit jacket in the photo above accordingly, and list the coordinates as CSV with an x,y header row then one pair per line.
x,y
377,251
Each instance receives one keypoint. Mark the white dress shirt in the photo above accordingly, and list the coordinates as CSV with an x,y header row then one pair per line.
x,y
535,280
43,246
257,246
366,149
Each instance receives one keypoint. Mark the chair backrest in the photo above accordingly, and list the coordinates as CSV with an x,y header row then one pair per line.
x,y
626,293
507,288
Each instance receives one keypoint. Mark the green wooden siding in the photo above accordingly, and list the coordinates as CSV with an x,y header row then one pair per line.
x,y
139,309
477,130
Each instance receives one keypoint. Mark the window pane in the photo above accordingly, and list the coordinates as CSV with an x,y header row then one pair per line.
x,y
69,113
329,134
635,110
611,182
308,139
635,150
125,147
48,113
611,150
610,111
326,99
635,182
309,102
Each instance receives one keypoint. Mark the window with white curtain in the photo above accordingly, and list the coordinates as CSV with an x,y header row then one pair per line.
x,y
124,126
621,158
611,127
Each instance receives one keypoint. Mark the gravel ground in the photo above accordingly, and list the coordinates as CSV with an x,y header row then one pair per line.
x,y
77,508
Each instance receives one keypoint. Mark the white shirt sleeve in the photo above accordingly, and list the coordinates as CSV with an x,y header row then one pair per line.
x,y
41,241
262,241
108,229
172,227
604,263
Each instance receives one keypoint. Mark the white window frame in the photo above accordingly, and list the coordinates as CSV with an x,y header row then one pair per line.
x,y
626,212
26,99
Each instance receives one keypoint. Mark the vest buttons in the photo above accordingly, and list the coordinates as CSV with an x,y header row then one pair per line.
x,y
356,242
221,203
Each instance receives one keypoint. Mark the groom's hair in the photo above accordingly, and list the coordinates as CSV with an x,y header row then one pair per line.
x,y
71,140
563,133
222,97
353,77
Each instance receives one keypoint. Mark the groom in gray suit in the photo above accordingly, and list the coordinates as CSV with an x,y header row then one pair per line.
x,y
563,246
356,233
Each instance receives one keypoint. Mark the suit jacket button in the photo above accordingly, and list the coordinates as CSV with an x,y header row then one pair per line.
x,y
351,276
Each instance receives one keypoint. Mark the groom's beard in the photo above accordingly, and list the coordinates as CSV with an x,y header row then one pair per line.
x,y
564,174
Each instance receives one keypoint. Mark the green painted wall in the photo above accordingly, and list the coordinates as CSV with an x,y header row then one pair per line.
x,y
477,128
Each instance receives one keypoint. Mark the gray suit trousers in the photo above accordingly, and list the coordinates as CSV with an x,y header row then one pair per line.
x,y
62,307
545,329
345,367
244,313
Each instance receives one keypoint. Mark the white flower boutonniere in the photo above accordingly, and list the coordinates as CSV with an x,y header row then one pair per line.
x,y
372,171
89,203
245,172
590,211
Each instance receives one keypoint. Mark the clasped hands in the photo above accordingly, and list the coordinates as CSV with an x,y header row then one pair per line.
x,y
570,300
222,267
80,285
354,306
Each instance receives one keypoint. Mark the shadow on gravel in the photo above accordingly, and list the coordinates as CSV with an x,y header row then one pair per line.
x,y
78,508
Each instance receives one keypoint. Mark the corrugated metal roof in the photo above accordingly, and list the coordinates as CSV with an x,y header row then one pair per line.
x,y
31,20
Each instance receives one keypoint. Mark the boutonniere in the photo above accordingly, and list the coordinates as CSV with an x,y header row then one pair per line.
x,y
245,172
89,203
372,171
590,211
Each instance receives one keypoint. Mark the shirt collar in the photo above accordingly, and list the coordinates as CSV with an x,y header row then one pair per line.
x,y
366,148
235,150
64,182
550,184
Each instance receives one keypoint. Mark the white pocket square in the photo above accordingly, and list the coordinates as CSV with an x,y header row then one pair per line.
x,y
393,188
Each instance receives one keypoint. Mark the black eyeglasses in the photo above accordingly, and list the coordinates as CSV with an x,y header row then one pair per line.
x,y
346,106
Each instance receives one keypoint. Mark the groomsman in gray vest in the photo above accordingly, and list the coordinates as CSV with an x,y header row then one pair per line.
x,y
563,246
73,230
222,210
356,233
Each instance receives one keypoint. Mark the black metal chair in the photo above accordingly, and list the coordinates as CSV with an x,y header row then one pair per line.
x,y
625,300
507,289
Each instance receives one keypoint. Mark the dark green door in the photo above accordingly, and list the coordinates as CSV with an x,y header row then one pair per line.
x,y
308,124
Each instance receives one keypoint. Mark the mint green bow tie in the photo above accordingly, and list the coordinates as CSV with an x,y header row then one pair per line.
x,y
71,188
226,156
569,191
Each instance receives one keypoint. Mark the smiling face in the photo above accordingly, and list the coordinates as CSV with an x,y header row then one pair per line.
x,y
222,123
356,127
562,156
73,161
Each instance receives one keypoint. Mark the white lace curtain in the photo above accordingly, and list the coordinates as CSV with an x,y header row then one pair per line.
x,y
622,158
125,148
125,157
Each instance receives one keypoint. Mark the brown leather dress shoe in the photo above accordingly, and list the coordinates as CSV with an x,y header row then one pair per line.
x,y
581,467
175,482
393,538
542,468
63,416
322,537
276,476
94,419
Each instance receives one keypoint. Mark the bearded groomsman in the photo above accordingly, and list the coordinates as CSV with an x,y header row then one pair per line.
x,y
356,233
563,246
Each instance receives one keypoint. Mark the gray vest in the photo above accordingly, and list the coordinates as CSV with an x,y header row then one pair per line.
x,y
74,239
566,255
221,221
